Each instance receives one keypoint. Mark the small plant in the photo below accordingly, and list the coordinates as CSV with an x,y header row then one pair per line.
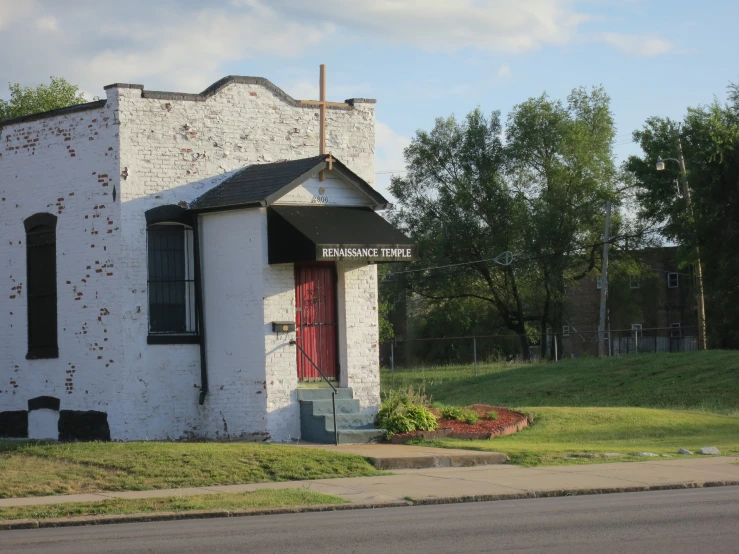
x,y
451,413
459,414
405,411
492,415
470,417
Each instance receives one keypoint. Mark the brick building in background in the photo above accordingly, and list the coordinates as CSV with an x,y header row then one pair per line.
x,y
652,311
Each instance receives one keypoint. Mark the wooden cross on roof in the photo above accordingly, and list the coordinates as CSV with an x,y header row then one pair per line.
x,y
323,104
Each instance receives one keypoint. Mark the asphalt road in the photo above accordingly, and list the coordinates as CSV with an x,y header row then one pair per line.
x,y
698,520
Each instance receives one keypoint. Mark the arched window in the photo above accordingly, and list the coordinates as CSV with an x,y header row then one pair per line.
x,y
173,311
41,285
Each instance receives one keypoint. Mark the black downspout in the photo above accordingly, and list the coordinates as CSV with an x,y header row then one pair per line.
x,y
199,309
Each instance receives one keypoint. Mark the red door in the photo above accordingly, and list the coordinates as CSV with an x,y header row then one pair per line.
x,y
315,320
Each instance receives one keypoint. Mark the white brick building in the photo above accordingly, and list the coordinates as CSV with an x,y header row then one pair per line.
x,y
151,240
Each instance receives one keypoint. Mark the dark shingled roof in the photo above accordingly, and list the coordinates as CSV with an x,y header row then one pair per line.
x,y
262,184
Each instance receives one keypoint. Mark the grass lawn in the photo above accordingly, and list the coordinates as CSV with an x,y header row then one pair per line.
x,y
560,432
693,380
263,498
642,403
36,469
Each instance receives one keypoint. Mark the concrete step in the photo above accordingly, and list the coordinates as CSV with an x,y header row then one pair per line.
x,y
357,436
325,407
347,422
320,435
404,456
324,393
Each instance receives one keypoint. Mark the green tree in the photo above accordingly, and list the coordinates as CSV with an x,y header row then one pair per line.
x,y
709,137
468,196
456,203
27,100
561,161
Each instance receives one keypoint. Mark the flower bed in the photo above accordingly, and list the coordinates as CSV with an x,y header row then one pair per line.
x,y
507,422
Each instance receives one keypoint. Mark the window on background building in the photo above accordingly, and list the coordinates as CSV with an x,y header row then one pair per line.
x,y
565,330
636,329
673,280
634,282
171,283
41,286
675,330
599,282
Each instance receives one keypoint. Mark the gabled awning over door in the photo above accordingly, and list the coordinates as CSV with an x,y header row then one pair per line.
x,y
308,233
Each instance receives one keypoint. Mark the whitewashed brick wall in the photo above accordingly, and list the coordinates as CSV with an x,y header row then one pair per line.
x,y
232,244
359,331
68,166
172,152
159,151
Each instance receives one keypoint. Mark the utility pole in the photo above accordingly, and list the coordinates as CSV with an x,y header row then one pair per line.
x,y
700,300
604,283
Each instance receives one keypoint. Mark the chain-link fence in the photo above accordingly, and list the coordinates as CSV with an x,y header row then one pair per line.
x,y
434,360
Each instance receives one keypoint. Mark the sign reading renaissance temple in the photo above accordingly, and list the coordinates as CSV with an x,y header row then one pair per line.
x,y
371,253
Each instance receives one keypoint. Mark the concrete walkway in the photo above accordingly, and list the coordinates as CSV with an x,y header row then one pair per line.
x,y
488,482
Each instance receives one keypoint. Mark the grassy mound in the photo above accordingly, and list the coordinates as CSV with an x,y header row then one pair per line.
x,y
694,380
558,433
36,469
259,499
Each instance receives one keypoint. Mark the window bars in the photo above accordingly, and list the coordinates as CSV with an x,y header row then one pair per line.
x,y
171,282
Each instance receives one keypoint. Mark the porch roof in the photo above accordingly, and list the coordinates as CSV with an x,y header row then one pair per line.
x,y
263,184
326,233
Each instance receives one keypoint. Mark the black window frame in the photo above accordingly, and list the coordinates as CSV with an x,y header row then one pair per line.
x,y
173,316
41,287
175,215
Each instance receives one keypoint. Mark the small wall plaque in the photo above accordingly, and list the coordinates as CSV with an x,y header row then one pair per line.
x,y
283,326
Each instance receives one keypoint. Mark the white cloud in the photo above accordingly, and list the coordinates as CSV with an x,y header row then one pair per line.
x,y
13,10
142,42
336,91
494,25
185,45
504,71
389,147
48,23
636,45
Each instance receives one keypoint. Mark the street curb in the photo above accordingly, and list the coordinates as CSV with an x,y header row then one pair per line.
x,y
567,492
473,459
7,525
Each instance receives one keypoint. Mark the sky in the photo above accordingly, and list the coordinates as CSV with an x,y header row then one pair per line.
x,y
420,59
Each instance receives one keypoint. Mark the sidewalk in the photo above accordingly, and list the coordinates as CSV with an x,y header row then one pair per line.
x,y
459,484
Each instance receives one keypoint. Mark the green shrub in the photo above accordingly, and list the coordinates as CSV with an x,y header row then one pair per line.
x,y
470,417
459,414
405,411
492,415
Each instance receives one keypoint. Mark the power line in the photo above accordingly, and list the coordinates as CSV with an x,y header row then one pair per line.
x,y
513,257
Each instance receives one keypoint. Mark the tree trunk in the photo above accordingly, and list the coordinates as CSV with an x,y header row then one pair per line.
x,y
525,352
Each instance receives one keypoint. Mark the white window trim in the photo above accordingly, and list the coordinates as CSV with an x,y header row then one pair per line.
x,y
599,282
565,330
637,327
677,280
675,328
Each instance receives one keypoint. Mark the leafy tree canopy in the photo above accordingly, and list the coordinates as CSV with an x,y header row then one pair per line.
x,y
537,189
709,136
28,100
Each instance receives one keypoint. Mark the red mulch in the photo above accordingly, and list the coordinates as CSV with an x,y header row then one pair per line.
x,y
507,423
